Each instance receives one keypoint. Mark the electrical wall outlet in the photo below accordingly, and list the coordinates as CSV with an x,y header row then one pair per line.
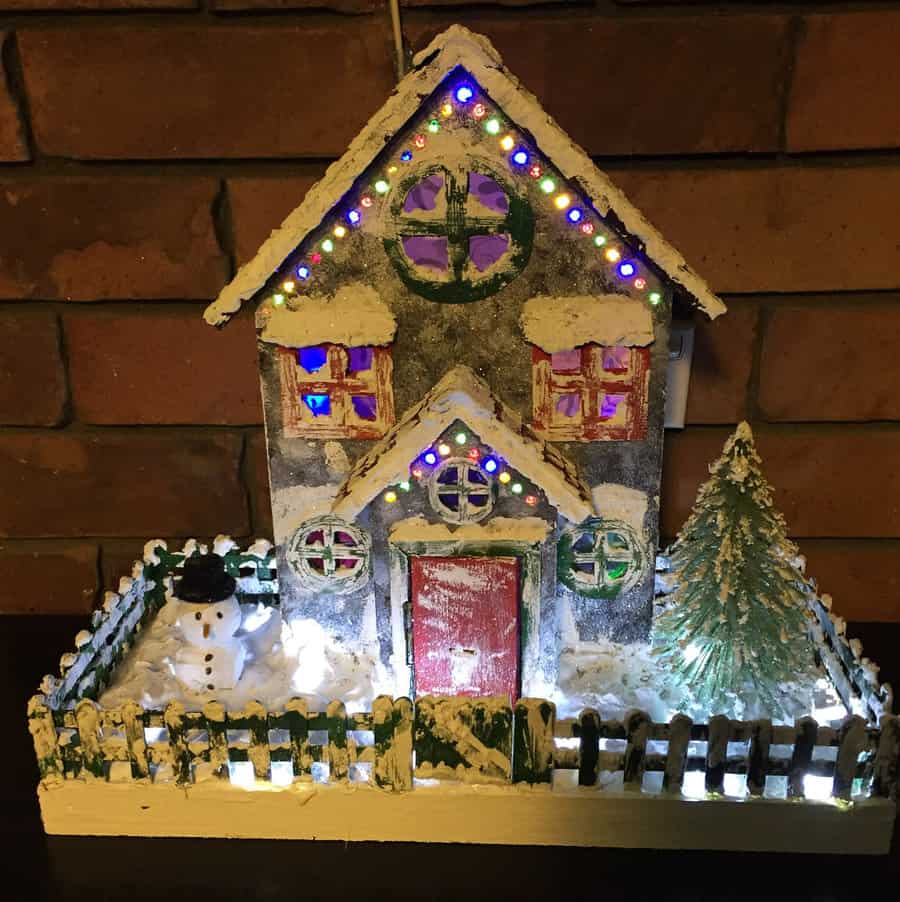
x,y
681,350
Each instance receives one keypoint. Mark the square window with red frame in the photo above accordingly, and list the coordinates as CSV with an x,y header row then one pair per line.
x,y
329,391
592,393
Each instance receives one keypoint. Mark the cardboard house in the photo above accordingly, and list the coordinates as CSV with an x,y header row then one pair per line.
x,y
463,342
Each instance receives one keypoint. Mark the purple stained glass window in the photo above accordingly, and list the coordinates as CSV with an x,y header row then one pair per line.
x,y
486,250
312,359
609,404
423,196
568,405
364,406
359,359
488,192
615,359
428,251
566,361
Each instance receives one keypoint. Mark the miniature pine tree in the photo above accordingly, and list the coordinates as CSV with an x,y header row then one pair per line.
x,y
736,621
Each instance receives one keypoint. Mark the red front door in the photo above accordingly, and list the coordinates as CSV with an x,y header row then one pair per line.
x,y
466,625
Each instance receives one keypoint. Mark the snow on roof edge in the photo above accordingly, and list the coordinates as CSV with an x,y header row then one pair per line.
x,y
455,47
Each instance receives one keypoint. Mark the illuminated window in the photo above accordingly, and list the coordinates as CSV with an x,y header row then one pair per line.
x,y
600,558
328,391
328,553
592,393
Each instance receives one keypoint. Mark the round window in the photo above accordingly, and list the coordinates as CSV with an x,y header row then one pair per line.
x,y
600,558
460,491
458,234
327,553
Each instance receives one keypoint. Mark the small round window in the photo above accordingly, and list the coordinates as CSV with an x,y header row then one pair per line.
x,y
600,558
327,553
460,491
458,233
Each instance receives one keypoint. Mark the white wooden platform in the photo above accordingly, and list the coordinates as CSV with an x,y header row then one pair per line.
x,y
468,814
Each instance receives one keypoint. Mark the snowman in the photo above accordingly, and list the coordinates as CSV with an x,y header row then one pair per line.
x,y
209,615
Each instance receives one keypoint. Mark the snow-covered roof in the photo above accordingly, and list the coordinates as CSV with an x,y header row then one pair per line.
x,y
353,315
458,47
461,395
556,324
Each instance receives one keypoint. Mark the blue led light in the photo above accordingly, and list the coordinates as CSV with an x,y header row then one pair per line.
x,y
406,156
302,273
626,269
464,93
520,157
574,215
490,464
430,457
353,217
320,405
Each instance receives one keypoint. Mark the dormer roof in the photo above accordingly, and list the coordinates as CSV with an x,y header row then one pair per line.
x,y
458,48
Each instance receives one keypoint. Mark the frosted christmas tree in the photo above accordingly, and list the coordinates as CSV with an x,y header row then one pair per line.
x,y
737,620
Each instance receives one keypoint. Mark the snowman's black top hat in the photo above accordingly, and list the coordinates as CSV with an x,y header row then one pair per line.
x,y
203,578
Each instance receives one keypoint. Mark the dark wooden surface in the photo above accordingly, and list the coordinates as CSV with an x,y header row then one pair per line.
x,y
81,869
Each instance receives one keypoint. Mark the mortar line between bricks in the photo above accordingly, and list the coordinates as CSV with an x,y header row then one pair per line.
x,y
795,28
15,81
751,398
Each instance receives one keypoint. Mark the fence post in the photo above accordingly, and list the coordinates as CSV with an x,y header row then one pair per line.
x,y
717,752
805,731
217,731
589,747
173,718
758,767
257,719
338,756
392,728
637,726
886,777
297,716
87,716
676,757
133,724
46,743
534,725
851,740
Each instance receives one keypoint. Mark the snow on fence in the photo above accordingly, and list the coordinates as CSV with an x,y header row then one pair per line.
x,y
469,740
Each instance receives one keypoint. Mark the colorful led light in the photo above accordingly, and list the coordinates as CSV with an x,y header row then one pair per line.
x,y
492,126
302,273
626,269
612,254
315,258
288,286
530,500
278,298
600,240
339,231
446,110
327,245
490,464
655,297
504,477
366,201
406,156
419,141
548,186
460,438
507,142
479,111
390,497
520,157
587,228
353,217
574,215
417,472
392,169
404,486
430,458
474,454
443,449
434,126
640,284
535,171
516,488
382,187
464,93
561,201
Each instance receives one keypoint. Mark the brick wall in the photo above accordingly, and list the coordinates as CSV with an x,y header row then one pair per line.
x,y
148,146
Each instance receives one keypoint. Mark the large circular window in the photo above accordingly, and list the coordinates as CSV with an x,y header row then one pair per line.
x,y
327,553
600,558
458,233
460,491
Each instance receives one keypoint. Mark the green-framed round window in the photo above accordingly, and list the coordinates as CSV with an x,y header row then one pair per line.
x,y
600,558
458,233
